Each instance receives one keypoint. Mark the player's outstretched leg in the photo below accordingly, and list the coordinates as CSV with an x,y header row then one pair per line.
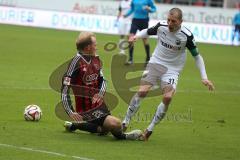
x,y
113,124
132,109
69,126
134,135
83,126
134,104
160,112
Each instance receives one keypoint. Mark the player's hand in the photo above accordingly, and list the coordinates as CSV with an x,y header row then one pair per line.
x,y
209,84
76,117
97,99
147,8
132,38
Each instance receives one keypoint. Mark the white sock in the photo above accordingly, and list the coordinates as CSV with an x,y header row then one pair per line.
x,y
132,108
120,45
159,115
120,41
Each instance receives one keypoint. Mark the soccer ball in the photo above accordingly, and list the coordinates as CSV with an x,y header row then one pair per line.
x,y
32,113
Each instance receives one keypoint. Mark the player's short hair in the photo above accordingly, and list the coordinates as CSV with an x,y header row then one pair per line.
x,y
84,39
176,11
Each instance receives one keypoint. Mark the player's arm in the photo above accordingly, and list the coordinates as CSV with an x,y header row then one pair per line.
x,y
98,98
119,12
199,62
233,21
65,91
145,33
151,7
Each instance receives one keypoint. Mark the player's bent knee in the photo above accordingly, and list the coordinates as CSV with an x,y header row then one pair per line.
x,y
113,123
116,124
142,94
167,99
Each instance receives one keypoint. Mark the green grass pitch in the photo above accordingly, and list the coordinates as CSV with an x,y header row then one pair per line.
x,y
200,125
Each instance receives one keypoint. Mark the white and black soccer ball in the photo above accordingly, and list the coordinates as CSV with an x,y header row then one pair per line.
x,y
32,113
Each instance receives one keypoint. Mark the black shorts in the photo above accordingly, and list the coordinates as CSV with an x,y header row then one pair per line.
x,y
99,121
138,24
97,115
237,28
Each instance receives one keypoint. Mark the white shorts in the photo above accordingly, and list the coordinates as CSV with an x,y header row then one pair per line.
x,y
171,77
124,26
156,73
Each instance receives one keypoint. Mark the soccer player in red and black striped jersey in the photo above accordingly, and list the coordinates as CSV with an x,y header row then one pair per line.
x,y
84,76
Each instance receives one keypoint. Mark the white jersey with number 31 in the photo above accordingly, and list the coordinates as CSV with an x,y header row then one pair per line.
x,y
171,46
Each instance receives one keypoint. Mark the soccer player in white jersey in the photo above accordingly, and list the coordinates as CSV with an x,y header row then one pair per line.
x,y
123,23
165,65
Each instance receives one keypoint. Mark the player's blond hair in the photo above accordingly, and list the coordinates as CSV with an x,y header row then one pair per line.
x,y
176,11
84,39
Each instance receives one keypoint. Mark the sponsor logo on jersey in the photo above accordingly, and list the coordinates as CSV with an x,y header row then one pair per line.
x,y
91,77
166,45
178,42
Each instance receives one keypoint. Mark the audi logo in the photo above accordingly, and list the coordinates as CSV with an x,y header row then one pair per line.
x,y
91,77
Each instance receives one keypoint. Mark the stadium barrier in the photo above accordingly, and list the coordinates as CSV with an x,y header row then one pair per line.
x,y
208,15
207,33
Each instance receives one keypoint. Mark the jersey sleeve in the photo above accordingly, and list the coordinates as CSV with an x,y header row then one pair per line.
x,y
66,85
191,45
153,30
152,6
102,84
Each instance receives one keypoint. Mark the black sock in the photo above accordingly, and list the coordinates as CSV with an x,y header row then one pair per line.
x,y
119,135
131,49
147,49
89,127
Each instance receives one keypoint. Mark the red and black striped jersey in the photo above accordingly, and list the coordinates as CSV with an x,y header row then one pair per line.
x,y
84,76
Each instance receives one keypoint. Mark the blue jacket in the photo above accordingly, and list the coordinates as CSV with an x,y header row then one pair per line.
x,y
236,19
138,10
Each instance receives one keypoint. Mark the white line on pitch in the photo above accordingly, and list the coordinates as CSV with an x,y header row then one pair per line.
x,y
43,151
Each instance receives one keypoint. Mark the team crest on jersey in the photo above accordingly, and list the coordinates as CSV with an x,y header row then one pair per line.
x,y
178,42
96,66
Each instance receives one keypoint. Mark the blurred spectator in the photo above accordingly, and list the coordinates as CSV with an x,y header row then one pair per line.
x,y
236,23
216,3
199,3
123,23
183,2
238,5
167,1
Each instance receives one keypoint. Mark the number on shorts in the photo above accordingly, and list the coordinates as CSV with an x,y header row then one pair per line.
x,y
170,81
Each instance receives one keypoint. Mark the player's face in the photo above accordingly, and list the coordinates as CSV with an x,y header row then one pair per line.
x,y
93,46
174,23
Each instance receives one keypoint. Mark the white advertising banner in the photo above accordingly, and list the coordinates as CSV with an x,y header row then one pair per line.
x,y
206,15
207,33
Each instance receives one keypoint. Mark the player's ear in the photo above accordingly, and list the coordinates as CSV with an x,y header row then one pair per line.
x,y
88,47
181,21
